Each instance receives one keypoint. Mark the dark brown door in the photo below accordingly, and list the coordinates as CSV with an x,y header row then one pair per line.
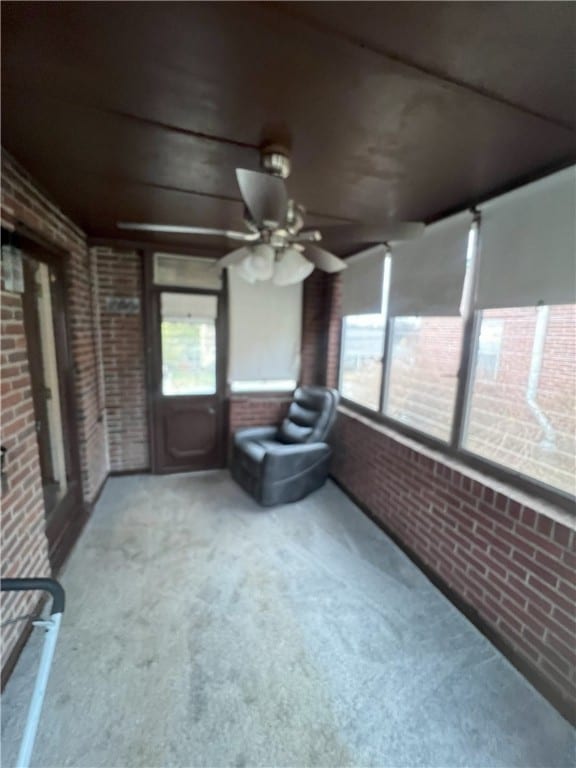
x,y
53,397
187,380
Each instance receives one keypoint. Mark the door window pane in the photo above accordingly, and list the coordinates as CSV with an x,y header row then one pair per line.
x,y
522,412
188,331
423,377
361,361
45,375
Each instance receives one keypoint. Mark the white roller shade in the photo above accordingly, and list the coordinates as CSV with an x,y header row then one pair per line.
x,y
527,245
186,306
265,331
362,282
428,273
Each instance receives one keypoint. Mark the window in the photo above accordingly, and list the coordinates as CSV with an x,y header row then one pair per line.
x,y
187,272
477,336
489,343
361,361
522,411
423,372
188,332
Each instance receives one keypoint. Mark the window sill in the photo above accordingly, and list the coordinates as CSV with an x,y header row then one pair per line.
x,y
540,506
264,394
272,386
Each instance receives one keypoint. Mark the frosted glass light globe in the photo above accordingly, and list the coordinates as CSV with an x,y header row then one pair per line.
x,y
260,262
291,268
243,269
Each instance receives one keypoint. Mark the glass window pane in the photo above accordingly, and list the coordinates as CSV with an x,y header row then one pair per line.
x,y
186,272
522,411
361,361
423,377
188,332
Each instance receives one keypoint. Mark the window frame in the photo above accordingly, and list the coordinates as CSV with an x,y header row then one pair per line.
x,y
454,447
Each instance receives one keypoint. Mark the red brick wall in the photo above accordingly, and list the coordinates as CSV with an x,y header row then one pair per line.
x,y
511,563
23,201
256,410
119,275
314,329
23,543
320,334
332,308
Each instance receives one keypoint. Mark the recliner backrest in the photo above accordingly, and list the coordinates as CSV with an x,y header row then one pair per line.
x,y
311,415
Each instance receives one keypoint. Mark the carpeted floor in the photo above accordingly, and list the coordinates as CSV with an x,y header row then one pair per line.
x,y
201,630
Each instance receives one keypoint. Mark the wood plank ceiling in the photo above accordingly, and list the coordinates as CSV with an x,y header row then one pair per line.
x,y
142,111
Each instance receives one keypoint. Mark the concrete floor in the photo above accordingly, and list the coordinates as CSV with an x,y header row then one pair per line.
x,y
201,630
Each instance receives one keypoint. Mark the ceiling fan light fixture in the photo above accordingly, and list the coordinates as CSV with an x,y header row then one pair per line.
x,y
276,246
291,268
245,272
260,262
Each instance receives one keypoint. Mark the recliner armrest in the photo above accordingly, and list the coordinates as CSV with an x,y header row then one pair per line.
x,y
255,433
285,460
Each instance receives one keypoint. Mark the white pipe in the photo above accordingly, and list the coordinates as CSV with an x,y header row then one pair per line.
x,y
549,440
52,626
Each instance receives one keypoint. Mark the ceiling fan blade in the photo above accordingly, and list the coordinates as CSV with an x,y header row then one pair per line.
x,y
323,260
235,257
265,196
375,232
178,230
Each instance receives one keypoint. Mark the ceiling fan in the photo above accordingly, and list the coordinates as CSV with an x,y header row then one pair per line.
x,y
276,245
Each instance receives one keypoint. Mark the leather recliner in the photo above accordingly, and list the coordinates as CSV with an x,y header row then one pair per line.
x,y
277,465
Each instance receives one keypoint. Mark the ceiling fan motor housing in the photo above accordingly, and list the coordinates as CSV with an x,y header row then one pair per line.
x,y
275,160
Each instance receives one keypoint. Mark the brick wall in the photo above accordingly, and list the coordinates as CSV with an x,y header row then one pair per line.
x,y
256,410
511,560
332,309
511,563
119,275
23,541
320,332
23,201
314,329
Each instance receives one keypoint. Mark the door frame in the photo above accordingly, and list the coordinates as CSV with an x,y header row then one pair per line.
x,y
69,514
153,351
